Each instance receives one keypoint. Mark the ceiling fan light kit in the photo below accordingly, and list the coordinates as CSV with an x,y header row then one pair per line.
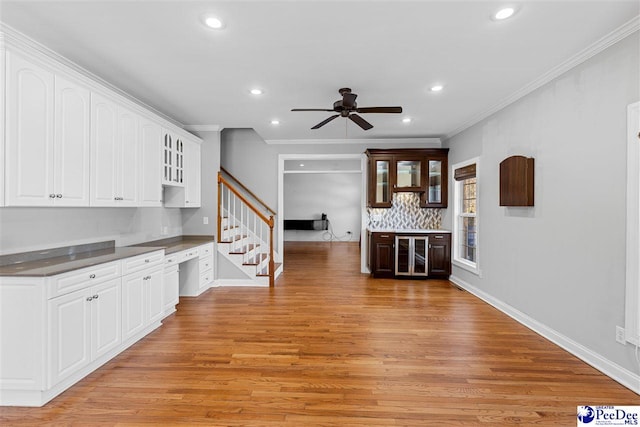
x,y
347,107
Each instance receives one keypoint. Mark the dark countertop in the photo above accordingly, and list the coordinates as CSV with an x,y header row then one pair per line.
x,y
49,262
177,244
65,263
408,231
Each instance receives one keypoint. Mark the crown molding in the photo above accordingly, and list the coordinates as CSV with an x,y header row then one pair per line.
x,y
435,142
610,39
203,128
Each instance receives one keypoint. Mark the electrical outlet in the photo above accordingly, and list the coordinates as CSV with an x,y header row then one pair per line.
x,y
205,220
620,335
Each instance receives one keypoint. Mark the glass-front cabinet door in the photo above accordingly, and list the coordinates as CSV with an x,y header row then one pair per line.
x,y
408,174
403,255
420,256
380,184
435,186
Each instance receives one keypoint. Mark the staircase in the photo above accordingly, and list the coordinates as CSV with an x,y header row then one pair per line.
x,y
245,231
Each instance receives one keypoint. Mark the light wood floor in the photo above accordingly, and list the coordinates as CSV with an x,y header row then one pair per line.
x,y
329,346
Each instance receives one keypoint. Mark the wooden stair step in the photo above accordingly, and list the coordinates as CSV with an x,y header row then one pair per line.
x,y
265,271
256,260
238,237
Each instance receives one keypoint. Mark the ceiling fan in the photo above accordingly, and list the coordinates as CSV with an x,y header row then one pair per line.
x,y
347,107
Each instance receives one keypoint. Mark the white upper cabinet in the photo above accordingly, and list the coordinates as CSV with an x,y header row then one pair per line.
x,y
29,128
192,186
114,154
127,164
48,137
71,144
104,154
150,165
173,159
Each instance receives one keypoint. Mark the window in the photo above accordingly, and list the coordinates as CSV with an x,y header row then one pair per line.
x,y
465,236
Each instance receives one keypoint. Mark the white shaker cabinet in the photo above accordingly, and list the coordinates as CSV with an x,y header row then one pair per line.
x,y
150,166
84,325
114,154
29,132
48,137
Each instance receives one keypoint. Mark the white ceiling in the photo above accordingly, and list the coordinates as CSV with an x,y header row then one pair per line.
x,y
301,52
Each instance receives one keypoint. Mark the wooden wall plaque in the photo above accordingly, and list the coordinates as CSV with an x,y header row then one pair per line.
x,y
516,181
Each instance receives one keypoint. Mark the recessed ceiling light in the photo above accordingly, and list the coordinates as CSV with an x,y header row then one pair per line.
x,y
436,88
504,13
256,91
275,122
213,22
406,120
301,165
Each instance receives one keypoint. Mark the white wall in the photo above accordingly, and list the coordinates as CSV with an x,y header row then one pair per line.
x,y
26,229
307,196
562,262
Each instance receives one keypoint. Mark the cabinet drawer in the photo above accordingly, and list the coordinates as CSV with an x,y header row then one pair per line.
x,y
206,264
68,282
140,262
170,260
433,237
206,250
188,254
206,278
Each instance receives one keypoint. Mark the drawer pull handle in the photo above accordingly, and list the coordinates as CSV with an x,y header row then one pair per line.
x,y
439,237
92,276
384,235
52,196
59,196
96,296
89,299
146,260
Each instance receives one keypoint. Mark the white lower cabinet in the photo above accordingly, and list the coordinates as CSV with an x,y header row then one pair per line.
x,y
171,284
84,325
142,300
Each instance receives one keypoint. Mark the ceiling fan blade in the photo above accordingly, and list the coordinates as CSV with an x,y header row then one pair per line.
x,y
324,122
360,121
379,110
310,109
349,99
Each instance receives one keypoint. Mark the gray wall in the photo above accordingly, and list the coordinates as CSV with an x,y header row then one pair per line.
x,y
307,196
192,219
561,262
25,229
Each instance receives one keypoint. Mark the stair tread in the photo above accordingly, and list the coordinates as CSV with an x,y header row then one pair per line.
x,y
254,261
243,250
265,271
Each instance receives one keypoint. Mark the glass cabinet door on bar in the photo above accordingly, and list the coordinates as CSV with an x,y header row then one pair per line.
x,y
408,175
435,183
380,196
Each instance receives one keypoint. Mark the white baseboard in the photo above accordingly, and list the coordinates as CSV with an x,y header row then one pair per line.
x,y
236,282
606,366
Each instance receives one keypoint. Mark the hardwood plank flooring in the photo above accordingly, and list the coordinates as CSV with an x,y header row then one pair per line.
x,y
329,346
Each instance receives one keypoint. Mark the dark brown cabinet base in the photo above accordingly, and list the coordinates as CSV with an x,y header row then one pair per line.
x,y
382,255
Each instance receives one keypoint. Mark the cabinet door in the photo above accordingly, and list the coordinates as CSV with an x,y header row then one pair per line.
x,y
383,262
155,295
192,185
435,182
150,164
419,256
127,155
105,317
71,144
133,304
29,139
408,173
404,249
70,334
380,182
104,152
167,158
439,255
171,288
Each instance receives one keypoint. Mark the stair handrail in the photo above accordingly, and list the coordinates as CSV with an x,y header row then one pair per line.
x,y
268,220
251,193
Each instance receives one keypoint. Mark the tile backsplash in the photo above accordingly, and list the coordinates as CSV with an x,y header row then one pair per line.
x,y
405,213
